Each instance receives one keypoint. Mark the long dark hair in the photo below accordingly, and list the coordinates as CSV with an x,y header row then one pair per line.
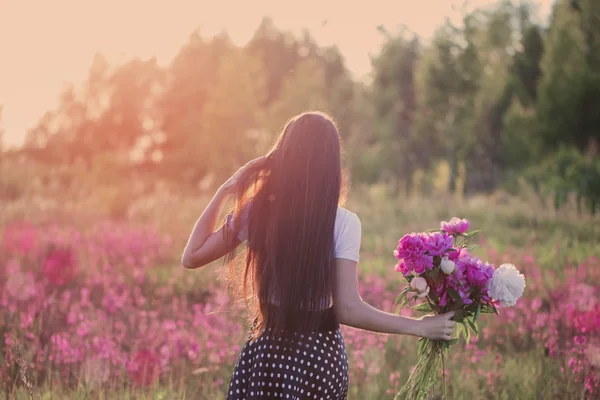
x,y
289,204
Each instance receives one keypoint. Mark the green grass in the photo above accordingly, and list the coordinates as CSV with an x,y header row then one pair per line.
x,y
520,226
558,238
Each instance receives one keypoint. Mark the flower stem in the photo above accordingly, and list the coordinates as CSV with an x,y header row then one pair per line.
x,y
443,375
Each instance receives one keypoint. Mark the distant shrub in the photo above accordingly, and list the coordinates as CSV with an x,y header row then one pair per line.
x,y
568,172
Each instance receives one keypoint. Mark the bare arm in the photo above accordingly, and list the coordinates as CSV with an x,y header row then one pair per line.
x,y
205,245
351,310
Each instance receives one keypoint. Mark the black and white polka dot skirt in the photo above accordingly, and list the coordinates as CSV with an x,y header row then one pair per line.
x,y
298,366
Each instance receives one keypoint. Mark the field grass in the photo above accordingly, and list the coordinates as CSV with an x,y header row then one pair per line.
x,y
127,322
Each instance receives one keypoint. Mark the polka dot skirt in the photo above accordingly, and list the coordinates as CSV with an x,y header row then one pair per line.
x,y
305,366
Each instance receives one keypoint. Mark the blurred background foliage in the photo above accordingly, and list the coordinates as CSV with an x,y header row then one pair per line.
x,y
498,103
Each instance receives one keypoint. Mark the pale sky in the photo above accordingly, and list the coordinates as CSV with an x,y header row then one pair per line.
x,y
46,44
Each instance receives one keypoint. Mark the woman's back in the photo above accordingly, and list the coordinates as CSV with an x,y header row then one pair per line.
x,y
346,240
346,234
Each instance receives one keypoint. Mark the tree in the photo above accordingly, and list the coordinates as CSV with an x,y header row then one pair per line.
x,y
280,53
520,140
569,90
496,37
589,15
112,113
526,66
303,90
232,120
449,81
190,78
395,102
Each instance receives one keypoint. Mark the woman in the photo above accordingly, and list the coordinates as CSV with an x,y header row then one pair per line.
x,y
299,277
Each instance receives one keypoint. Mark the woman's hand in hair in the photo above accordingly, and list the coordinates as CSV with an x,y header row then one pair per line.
x,y
231,185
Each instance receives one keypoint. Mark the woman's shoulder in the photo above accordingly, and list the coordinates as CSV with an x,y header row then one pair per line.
x,y
347,235
346,217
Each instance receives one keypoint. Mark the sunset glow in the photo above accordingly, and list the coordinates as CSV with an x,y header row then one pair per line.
x,y
46,45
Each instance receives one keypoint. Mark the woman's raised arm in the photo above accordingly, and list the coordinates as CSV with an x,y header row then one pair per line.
x,y
205,245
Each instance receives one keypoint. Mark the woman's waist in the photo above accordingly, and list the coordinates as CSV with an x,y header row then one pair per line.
x,y
295,320
316,306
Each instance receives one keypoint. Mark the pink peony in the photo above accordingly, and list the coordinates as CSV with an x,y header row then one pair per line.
x,y
476,272
455,255
437,243
456,226
411,255
471,274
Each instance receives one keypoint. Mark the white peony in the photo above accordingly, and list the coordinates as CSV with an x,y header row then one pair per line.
x,y
423,293
447,266
419,284
507,285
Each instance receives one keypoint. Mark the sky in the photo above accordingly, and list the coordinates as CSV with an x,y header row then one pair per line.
x,y
44,45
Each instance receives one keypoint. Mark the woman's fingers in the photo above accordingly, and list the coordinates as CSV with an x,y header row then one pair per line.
x,y
230,185
249,164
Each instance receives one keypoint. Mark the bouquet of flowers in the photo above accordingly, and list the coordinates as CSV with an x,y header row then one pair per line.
x,y
440,270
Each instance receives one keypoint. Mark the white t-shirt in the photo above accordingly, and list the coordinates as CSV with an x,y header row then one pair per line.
x,y
346,234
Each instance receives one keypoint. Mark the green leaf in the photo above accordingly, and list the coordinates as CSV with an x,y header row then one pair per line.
x,y
454,294
424,307
459,315
402,296
449,250
473,326
403,303
423,344
399,299
466,331
433,296
495,309
487,309
472,234
459,329
477,312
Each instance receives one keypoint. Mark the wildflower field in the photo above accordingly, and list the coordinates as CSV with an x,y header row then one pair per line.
x,y
98,307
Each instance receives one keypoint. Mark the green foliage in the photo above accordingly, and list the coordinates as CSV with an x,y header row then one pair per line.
x,y
482,103
563,78
567,172
394,100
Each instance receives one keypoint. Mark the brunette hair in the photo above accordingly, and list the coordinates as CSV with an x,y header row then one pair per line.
x,y
288,204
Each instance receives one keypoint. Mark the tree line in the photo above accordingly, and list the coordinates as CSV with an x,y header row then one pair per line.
x,y
498,99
